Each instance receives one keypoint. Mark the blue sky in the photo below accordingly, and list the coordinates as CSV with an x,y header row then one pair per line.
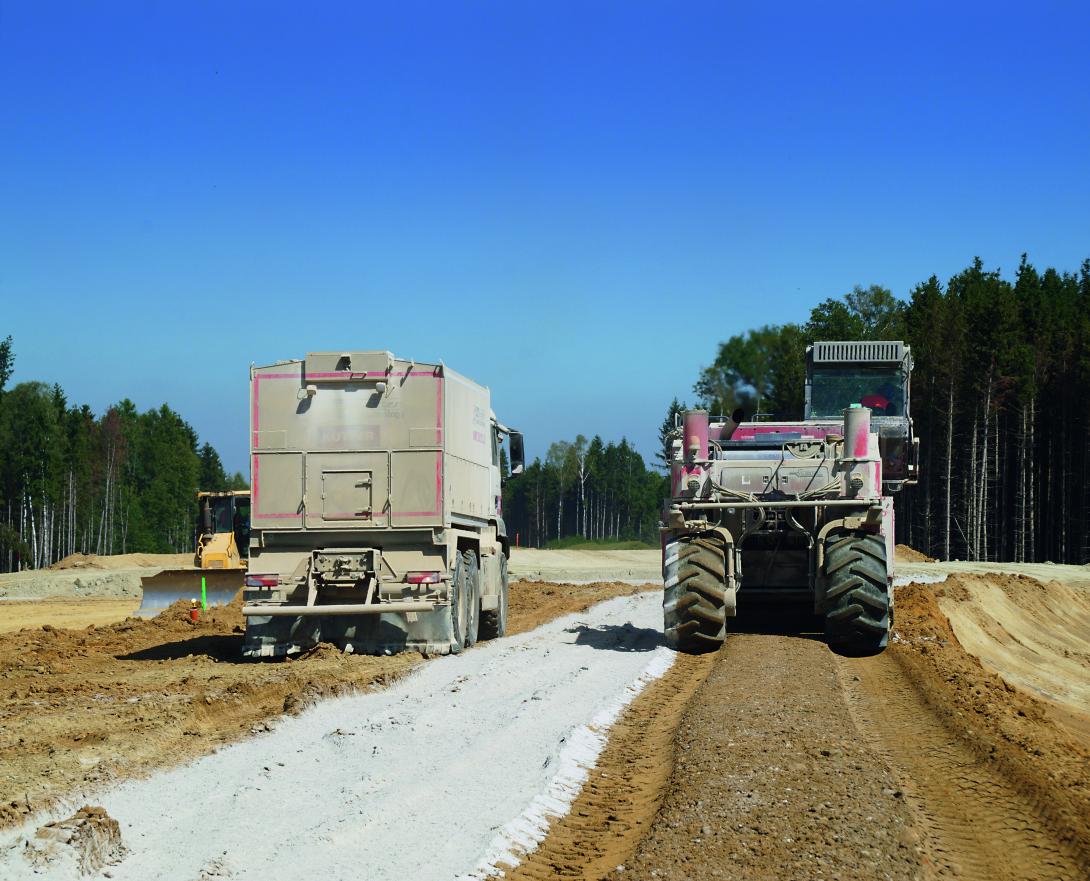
x,y
569,202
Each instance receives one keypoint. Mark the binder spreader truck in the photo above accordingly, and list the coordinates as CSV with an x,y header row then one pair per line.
x,y
375,507
793,515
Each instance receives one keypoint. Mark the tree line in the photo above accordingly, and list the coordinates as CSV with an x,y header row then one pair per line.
x,y
71,481
593,490
999,402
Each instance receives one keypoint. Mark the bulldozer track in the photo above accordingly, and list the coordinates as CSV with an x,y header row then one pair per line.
x,y
976,823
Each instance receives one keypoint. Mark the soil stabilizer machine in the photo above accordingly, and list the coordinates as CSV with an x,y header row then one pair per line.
x,y
376,507
219,560
793,515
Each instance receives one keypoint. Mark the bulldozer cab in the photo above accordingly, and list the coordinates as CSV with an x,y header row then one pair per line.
x,y
224,513
875,375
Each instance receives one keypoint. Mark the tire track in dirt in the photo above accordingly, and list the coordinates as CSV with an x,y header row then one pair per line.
x,y
976,824
623,793
772,780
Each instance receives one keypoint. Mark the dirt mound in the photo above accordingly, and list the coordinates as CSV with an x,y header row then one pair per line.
x,y
122,561
75,561
905,554
88,840
1036,635
1007,730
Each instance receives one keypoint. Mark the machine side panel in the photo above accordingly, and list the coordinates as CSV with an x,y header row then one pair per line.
x,y
468,448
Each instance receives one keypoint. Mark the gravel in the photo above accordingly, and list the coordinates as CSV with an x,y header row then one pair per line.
x,y
432,778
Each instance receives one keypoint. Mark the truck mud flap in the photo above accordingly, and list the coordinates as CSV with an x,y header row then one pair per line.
x,y
390,633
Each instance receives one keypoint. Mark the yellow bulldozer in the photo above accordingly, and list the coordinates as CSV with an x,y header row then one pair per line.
x,y
222,541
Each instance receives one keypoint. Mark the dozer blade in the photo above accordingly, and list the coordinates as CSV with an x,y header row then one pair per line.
x,y
171,585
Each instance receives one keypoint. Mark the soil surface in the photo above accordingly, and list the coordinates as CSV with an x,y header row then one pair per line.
x,y
634,566
773,779
430,779
65,612
80,708
790,761
623,793
1000,789
963,751
124,561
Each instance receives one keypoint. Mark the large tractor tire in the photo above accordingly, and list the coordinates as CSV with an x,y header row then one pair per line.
x,y
695,594
473,597
858,611
494,621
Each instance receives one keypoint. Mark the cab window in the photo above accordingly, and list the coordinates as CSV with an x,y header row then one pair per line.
x,y
834,389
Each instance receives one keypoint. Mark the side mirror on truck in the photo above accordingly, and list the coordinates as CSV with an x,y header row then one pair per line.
x,y
518,454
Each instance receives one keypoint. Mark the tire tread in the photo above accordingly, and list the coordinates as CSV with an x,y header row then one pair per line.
x,y
858,605
694,615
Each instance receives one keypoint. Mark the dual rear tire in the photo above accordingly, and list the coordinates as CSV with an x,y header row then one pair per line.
x,y
468,622
465,602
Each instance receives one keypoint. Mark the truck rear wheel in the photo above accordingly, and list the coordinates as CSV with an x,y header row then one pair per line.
x,y
694,594
458,591
857,601
473,598
494,621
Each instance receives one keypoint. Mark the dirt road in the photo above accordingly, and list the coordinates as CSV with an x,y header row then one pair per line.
x,y
64,612
792,762
578,566
960,752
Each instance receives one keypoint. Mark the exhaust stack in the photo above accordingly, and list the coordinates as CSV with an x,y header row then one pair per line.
x,y
695,432
860,465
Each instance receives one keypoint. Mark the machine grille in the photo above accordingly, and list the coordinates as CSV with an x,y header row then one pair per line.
x,y
885,352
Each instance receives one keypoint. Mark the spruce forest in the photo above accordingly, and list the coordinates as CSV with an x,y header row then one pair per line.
x,y
72,482
999,399
1001,371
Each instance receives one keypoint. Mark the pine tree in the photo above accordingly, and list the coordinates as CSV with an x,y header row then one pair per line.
x,y
665,455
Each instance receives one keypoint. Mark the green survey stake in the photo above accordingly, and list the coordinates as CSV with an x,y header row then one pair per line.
x,y
204,592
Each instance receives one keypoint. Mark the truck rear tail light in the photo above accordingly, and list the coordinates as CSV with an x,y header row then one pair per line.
x,y
423,577
262,580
